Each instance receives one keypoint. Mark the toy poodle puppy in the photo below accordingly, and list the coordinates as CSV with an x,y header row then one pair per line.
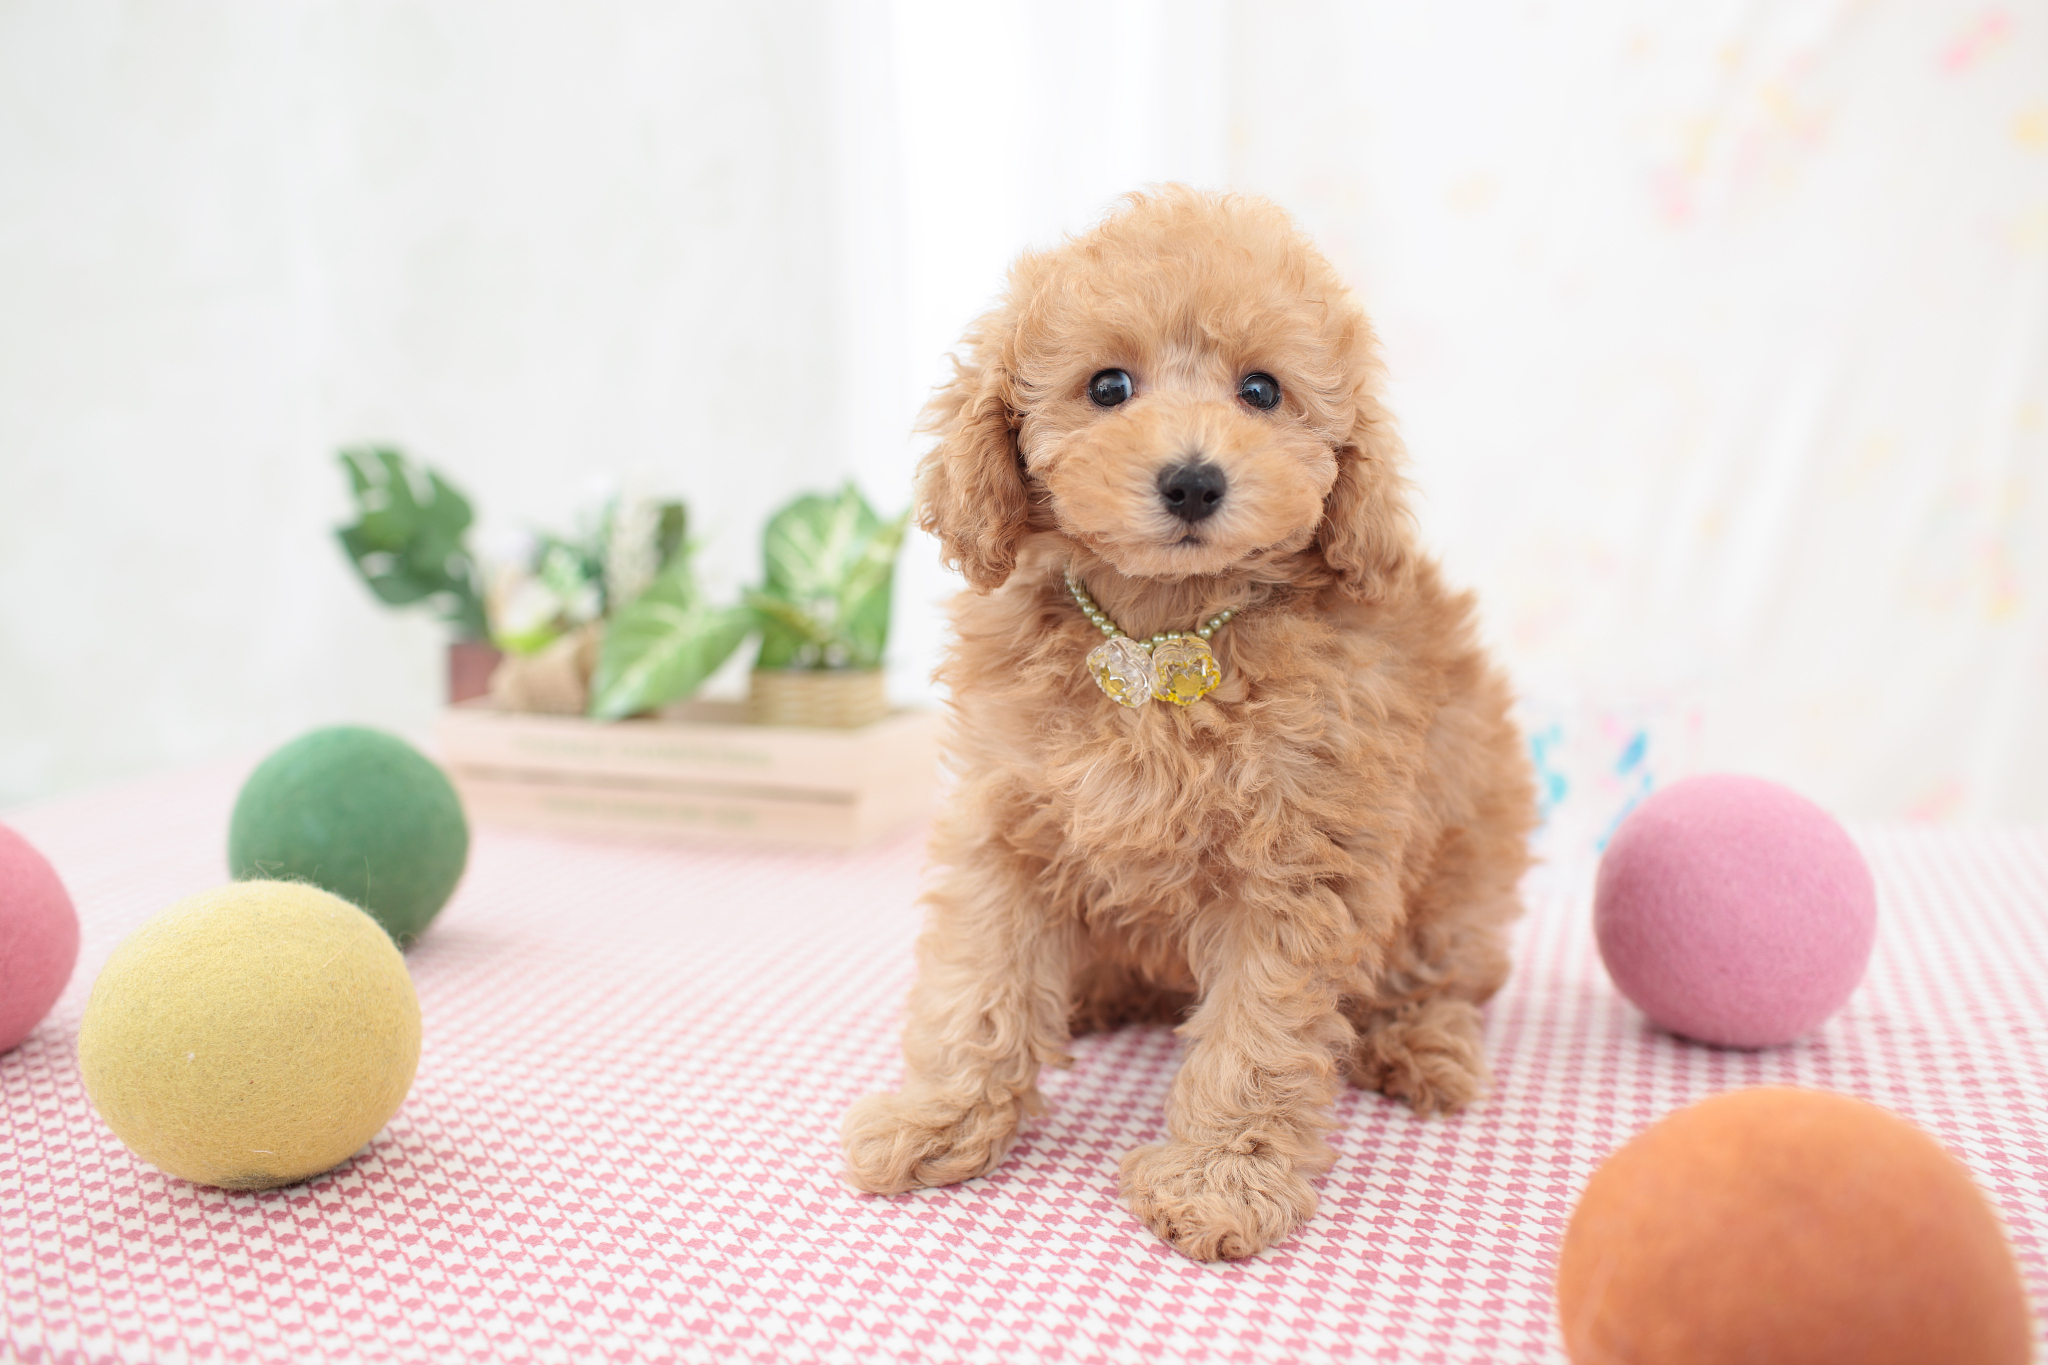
x,y
1229,753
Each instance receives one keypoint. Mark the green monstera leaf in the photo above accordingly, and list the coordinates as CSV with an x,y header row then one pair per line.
x,y
662,646
408,539
830,567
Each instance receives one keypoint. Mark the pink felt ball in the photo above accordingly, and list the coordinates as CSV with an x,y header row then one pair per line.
x,y
1734,911
38,938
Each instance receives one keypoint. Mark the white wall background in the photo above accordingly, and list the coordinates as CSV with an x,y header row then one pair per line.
x,y
1717,330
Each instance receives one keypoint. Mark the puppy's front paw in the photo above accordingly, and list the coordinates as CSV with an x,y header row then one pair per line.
x,y
897,1142
1214,1204
1432,1056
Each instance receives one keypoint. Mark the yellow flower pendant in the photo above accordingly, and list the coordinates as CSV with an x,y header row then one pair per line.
x,y
1184,671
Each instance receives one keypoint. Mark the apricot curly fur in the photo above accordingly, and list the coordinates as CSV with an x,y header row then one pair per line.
x,y
1309,871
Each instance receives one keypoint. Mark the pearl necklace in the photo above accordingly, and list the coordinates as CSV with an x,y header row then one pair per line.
x,y
1173,665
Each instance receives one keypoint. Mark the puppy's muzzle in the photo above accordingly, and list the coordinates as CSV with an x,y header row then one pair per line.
x,y
1192,490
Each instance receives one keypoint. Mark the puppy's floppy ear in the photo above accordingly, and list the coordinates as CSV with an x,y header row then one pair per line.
x,y
1367,534
970,487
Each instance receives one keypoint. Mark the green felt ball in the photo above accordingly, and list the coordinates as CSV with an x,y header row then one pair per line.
x,y
360,813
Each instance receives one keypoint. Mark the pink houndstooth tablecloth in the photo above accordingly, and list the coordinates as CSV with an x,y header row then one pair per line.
x,y
622,1142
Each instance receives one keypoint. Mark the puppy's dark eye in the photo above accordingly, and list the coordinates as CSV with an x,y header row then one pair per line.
x,y
1261,390
1109,388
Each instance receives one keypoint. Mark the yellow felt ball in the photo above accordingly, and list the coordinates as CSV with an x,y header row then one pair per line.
x,y
251,1036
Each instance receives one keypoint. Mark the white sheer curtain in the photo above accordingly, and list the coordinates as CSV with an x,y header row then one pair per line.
x,y
1716,330
540,245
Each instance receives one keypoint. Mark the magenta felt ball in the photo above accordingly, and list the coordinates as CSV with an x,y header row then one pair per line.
x,y
38,938
1734,911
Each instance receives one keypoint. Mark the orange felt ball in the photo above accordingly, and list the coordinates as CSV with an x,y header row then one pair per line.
x,y
1788,1227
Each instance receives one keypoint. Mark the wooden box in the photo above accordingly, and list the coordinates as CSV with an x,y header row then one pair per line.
x,y
696,773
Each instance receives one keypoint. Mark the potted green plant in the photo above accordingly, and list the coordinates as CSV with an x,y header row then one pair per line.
x,y
410,544
551,605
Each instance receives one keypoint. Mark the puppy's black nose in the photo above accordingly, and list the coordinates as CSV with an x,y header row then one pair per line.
x,y
1193,490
